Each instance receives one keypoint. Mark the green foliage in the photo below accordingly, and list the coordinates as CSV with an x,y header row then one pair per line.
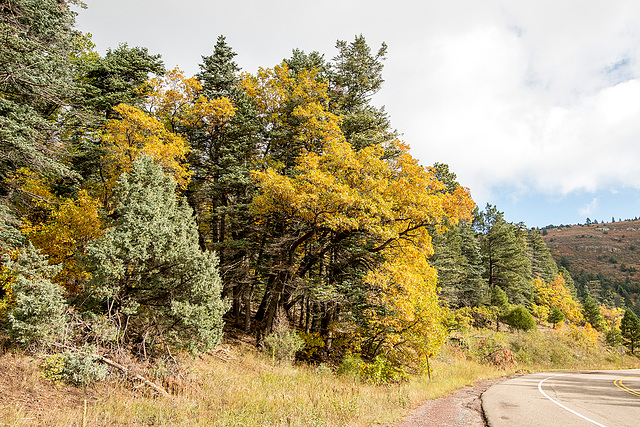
x,y
520,318
79,368
149,271
592,313
556,315
283,343
37,74
613,336
382,371
503,248
37,315
351,365
630,329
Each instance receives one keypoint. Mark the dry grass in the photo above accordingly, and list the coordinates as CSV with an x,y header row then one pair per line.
x,y
245,388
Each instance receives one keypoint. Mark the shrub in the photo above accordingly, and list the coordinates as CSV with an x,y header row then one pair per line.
x,y
37,313
283,343
79,368
382,371
520,318
351,365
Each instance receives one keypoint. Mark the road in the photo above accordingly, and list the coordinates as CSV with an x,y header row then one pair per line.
x,y
586,398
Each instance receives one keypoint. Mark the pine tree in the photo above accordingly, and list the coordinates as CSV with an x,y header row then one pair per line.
x,y
542,263
503,250
149,271
222,186
592,313
355,76
555,316
630,329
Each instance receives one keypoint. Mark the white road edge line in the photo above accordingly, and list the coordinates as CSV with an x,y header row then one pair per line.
x,y
561,405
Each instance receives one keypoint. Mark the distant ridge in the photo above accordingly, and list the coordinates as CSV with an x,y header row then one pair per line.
x,y
603,258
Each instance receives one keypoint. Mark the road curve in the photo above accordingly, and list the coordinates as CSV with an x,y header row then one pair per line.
x,y
585,398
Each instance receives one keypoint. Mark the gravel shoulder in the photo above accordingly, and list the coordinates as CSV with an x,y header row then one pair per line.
x,y
462,408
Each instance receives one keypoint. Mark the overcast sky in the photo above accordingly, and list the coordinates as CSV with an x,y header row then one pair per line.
x,y
535,105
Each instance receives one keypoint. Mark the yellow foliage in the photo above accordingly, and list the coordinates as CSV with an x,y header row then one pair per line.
x,y
407,316
139,133
613,316
557,293
68,227
175,102
297,106
390,203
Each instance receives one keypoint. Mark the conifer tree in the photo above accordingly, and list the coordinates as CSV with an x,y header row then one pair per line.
x,y
555,316
150,275
592,313
503,250
630,329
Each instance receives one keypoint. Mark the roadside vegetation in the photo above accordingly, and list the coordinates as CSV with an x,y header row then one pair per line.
x,y
148,217
236,385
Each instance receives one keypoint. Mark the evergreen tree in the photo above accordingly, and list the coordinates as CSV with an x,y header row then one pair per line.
x,y
37,314
592,313
542,263
222,186
520,318
355,76
501,303
630,329
555,316
36,88
503,250
456,255
150,275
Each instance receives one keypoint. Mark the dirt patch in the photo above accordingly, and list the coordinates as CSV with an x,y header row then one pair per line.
x,y
462,408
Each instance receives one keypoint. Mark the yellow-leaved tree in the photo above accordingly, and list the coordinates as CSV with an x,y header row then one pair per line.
x,y
175,107
557,293
355,224
60,227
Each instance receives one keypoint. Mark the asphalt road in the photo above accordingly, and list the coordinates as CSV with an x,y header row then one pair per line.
x,y
586,398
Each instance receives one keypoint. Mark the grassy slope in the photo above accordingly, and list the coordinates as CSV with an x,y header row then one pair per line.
x,y
242,387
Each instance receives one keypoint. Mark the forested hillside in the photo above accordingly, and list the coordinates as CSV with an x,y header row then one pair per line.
x,y
144,212
603,258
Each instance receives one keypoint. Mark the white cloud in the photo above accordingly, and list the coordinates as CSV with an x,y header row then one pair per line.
x,y
589,209
532,96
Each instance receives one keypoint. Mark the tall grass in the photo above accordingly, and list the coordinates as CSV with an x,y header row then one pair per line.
x,y
250,389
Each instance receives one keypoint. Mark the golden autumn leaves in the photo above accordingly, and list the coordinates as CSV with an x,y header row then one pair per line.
x,y
308,175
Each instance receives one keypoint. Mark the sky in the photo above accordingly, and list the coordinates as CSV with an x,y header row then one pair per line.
x,y
535,105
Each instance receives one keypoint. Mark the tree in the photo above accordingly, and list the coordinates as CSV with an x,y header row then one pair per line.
x,y
630,329
121,77
149,274
555,316
355,76
456,255
556,293
222,187
36,314
521,319
542,263
592,313
353,217
36,88
500,301
503,250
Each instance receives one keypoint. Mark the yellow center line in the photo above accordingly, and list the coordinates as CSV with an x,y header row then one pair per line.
x,y
621,386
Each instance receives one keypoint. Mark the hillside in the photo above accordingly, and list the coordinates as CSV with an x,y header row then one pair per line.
x,y
602,258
